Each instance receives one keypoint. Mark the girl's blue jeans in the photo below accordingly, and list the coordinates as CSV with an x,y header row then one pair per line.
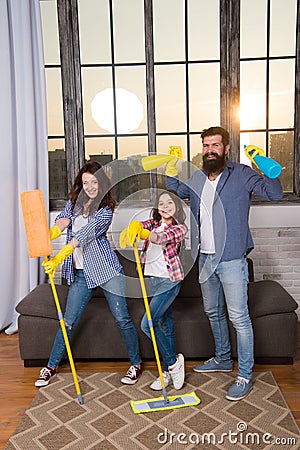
x,y
222,282
163,292
79,296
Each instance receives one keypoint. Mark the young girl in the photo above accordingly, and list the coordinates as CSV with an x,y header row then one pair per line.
x,y
163,234
90,262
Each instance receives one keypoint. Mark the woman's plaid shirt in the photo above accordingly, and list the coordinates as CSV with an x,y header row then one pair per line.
x,y
100,263
170,240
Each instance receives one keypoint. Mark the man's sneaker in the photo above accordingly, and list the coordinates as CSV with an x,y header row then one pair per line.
x,y
156,385
46,374
212,365
240,389
177,372
132,375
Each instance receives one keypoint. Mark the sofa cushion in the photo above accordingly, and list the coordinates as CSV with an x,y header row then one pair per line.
x,y
269,297
40,302
265,297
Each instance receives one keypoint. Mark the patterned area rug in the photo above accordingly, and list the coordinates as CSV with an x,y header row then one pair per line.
x,y
55,420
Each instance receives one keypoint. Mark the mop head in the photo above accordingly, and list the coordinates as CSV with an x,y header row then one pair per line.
x,y
160,404
36,224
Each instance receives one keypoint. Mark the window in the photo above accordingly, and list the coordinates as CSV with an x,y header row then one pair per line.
x,y
56,140
268,58
182,65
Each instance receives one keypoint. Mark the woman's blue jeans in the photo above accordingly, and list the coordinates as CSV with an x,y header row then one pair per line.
x,y
228,281
163,292
78,297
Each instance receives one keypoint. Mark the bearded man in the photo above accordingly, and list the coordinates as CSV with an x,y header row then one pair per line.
x,y
220,196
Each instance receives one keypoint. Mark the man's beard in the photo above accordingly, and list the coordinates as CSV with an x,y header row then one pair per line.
x,y
213,165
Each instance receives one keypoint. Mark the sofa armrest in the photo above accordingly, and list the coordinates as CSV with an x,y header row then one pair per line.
x,y
40,302
269,297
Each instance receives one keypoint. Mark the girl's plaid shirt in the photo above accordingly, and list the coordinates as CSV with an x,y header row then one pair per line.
x,y
170,240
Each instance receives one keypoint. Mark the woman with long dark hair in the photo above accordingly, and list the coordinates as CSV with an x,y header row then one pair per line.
x,y
89,262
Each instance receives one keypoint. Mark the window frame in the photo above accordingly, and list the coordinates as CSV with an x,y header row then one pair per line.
x,y
229,86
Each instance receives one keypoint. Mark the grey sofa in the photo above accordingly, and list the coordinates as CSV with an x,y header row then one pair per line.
x,y
272,311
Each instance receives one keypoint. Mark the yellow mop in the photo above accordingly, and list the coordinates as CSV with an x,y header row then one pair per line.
x,y
165,402
39,244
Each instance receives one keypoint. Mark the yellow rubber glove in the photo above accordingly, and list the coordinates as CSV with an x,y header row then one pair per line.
x,y
175,150
52,263
55,232
144,233
134,231
171,169
252,150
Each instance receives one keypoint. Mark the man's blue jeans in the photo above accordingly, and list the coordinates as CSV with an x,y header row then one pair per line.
x,y
228,281
163,292
78,297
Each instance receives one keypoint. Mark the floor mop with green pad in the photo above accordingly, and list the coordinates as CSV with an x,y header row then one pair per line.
x,y
164,402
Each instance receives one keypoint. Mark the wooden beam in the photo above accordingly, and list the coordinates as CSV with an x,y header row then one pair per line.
x,y
71,86
297,109
230,72
150,86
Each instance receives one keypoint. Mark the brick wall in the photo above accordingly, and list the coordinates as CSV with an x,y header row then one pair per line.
x,y
276,256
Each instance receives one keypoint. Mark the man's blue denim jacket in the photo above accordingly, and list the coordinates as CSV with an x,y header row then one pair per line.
x,y
231,207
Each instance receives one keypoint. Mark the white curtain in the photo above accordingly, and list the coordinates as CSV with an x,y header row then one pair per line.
x,y
23,140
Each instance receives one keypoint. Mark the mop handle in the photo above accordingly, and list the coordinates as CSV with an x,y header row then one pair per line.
x,y
66,339
148,313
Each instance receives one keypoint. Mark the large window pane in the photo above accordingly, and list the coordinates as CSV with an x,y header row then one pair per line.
x,y
282,91
134,105
50,32
170,98
133,145
283,27
57,169
253,95
126,172
98,111
54,144
253,28
168,27
54,102
196,149
163,143
94,81
129,44
94,31
204,95
282,150
253,138
102,149
127,177
203,37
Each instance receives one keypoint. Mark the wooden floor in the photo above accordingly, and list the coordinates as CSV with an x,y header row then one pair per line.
x,y
17,383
